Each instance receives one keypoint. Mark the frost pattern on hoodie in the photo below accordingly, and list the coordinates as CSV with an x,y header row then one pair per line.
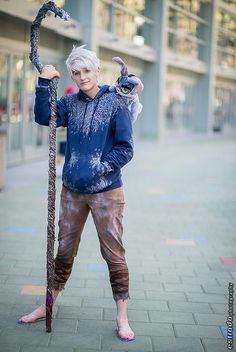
x,y
93,115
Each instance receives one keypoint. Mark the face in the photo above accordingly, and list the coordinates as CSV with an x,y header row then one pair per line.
x,y
86,79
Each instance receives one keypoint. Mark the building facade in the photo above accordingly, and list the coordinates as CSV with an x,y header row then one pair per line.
x,y
184,51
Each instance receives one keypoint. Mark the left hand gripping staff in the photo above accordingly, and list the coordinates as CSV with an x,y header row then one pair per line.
x,y
34,57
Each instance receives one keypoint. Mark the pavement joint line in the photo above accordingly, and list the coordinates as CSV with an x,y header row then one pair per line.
x,y
203,345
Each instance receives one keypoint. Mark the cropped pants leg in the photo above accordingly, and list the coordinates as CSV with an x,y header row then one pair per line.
x,y
107,212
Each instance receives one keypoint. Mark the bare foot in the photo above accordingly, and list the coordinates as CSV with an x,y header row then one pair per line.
x,y
124,331
38,314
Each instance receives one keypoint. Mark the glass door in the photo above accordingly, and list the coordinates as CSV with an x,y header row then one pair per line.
x,y
4,74
35,136
15,127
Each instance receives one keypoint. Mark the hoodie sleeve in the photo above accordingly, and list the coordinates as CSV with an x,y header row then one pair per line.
x,y
122,151
42,111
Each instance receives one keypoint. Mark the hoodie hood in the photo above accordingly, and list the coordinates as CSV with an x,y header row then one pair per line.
x,y
84,97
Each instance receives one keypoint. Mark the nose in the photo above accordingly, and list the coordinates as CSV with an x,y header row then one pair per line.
x,y
82,76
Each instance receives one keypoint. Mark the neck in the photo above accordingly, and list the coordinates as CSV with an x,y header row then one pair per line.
x,y
92,92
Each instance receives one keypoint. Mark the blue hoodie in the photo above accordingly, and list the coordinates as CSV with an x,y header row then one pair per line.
x,y
99,137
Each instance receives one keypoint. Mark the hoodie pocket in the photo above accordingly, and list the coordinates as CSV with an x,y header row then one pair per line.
x,y
84,171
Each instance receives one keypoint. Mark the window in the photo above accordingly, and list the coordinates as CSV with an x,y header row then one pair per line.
x,y
4,74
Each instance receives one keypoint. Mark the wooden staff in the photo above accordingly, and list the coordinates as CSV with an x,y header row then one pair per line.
x,y
34,57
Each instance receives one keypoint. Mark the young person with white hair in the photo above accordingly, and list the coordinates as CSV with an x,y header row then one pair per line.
x,y
99,144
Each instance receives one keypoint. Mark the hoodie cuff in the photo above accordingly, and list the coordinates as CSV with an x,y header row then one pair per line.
x,y
43,82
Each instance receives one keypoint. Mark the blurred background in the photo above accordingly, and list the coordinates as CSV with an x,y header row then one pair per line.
x,y
183,50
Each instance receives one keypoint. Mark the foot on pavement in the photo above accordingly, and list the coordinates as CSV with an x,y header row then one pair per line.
x,y
37,315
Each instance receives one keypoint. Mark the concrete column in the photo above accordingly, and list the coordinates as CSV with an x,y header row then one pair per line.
x,y
152,121
204,93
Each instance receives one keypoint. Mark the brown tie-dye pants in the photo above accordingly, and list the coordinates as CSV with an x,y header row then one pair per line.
x,y
107,212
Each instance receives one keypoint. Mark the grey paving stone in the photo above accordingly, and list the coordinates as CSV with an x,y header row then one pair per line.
x,y
13,298
79,340
58,325
25,280
189,307
141,343
5,308
136,294
105,328
100,302
179,344
7,321
134,315
215,345
84,292
8,347
20,334
184,271
152,329
3,278
176,296
148,304
171,317
210,319
219,308
97,283
69,301
136,285
7,263
45,349
183,330
182,288
215,289
162,278
14,271
198,280
206,297
79,313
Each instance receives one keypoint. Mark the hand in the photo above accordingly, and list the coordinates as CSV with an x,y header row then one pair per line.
x,y
49,72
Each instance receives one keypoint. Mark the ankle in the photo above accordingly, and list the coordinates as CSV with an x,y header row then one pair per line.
x,y
122,320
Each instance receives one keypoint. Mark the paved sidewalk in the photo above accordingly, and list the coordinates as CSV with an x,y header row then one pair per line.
x,y
180,237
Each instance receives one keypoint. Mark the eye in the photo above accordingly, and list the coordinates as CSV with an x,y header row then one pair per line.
x,y
125,90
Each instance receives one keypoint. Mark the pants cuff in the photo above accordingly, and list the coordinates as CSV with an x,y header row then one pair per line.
x,y
122,295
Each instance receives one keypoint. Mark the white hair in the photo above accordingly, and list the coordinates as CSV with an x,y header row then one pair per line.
x,y
81,58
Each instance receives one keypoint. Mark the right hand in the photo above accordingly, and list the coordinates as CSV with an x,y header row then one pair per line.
x,y
49,72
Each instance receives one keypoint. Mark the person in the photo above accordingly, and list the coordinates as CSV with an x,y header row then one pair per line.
x,y
99,144
61,137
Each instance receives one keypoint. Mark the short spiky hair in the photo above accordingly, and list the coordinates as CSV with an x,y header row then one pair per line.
x,y
81,58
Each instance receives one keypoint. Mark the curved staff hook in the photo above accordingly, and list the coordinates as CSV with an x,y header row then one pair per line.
x,y
34,57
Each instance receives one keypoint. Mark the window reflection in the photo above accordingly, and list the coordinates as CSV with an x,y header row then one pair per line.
x,y
4,74
226,40
30,76
178,104
125,19
184,31
16,111
225,108
192,6
230,3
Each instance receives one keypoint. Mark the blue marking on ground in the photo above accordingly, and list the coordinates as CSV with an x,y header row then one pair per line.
x,y
97,268
224,332
18,229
